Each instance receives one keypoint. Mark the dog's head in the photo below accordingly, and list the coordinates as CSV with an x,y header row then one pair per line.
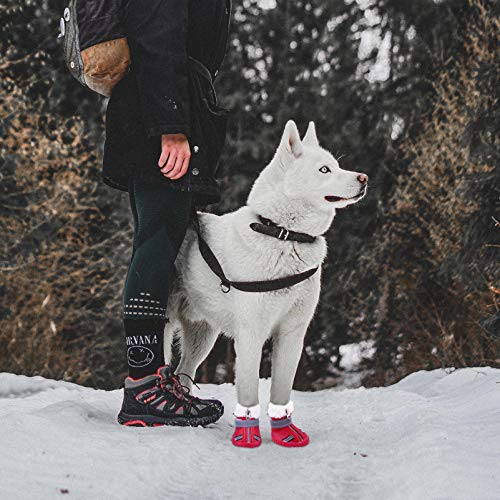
x,y
306,174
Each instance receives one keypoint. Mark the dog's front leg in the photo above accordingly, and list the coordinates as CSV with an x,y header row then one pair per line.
x,y
287,349
248,353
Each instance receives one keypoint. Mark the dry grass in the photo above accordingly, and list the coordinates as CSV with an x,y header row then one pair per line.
x,y
438,282
61,272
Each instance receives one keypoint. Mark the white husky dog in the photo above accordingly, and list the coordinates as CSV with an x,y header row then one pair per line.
x,y
299,190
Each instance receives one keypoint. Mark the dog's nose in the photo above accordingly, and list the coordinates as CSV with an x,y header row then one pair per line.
x,y
363,178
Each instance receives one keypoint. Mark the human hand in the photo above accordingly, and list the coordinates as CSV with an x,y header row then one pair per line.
x,y
175,155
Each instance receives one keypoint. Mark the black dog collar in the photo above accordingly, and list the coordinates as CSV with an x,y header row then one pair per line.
x,y
270,228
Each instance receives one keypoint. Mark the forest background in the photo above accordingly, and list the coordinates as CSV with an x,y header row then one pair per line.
x,y
404,90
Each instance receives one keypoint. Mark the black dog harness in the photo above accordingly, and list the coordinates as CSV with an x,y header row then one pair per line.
x,y
269,228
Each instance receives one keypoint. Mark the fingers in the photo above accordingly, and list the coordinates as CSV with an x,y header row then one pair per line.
x,y
170,161
175,167
182,168
175,156
164,156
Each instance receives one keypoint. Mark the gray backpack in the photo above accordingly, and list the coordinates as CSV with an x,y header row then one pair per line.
x,y
95,45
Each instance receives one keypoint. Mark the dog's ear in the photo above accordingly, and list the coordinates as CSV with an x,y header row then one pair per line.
x,y
290,142
311,138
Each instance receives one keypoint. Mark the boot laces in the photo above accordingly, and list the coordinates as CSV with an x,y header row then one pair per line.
x,y
178,389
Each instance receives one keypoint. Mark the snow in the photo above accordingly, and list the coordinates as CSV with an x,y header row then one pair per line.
x,y
352,355
434,435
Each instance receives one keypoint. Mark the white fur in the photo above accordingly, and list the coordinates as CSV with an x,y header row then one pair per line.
x,y
244,411
290,191
280,411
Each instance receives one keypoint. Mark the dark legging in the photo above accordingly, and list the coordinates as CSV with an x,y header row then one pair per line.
x,y
161,217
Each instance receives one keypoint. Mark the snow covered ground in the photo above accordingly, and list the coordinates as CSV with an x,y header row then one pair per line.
x,y
434,435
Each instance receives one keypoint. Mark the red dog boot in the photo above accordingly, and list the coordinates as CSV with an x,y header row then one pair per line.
x,y
246,427
283,431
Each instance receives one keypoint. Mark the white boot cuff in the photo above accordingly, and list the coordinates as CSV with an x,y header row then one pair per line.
x,y
248,412
280,411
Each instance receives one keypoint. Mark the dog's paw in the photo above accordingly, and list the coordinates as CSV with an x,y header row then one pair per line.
x,y
246,433
284,433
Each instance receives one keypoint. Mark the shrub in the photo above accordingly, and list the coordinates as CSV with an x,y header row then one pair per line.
x,y
436,250
62,248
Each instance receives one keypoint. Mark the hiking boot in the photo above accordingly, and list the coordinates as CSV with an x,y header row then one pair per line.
x,y
166,373
160,399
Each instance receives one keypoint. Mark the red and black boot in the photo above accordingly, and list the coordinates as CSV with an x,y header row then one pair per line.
x,y
160,399
246,427
283,431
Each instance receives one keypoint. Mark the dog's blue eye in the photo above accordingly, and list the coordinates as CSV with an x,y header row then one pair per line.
x,y
324,169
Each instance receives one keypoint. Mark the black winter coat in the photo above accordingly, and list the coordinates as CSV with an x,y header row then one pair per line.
x,y
168,91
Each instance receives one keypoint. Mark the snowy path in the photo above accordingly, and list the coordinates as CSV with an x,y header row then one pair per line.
x,y
432,436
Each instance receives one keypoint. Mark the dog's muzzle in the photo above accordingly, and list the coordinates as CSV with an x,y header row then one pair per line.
x,y
334,199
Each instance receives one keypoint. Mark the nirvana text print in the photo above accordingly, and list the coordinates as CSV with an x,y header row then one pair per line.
x,y
138,353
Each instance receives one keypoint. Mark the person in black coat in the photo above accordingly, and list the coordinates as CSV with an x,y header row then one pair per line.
x,y
167,92
164,136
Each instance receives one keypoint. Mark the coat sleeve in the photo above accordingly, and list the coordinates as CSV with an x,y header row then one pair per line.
x,y
157,34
